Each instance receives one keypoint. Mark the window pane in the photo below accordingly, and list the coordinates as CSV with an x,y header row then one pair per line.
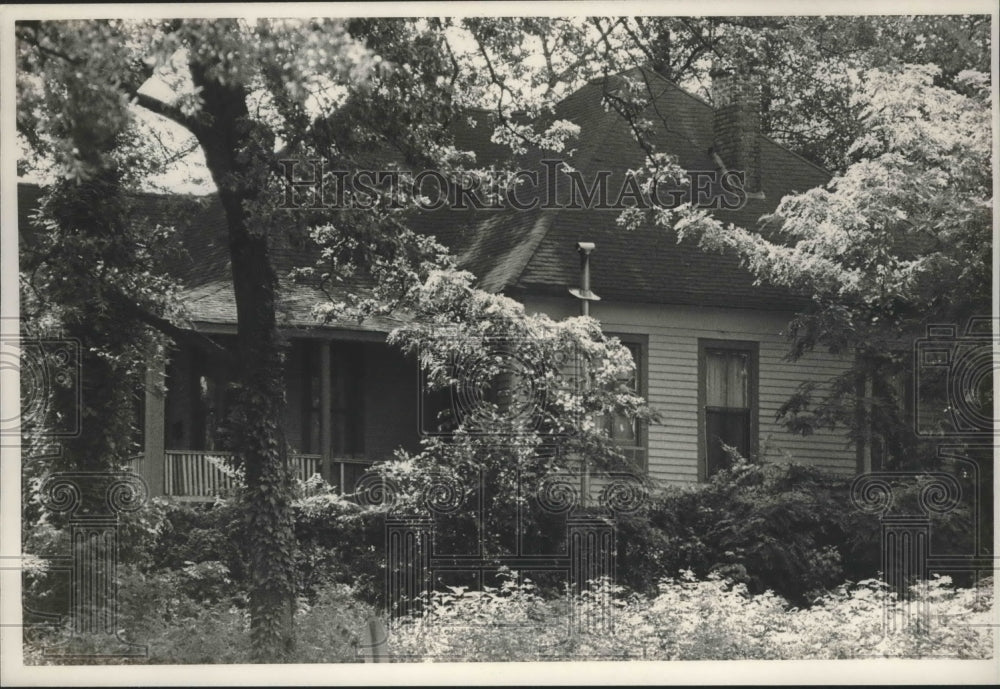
x,y
729,427
634,350
726,378
623,429
738,376
715,379
637,456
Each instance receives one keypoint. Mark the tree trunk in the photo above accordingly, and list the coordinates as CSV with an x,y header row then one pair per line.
x,y
261,442
228,141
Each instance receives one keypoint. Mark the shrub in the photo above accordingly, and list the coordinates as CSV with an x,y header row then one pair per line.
x,y
193,533
161,611
779,527
691,619
339,542
768,527
331,628
506,622
182,554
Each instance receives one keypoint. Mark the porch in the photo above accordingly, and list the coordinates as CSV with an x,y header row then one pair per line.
x,y
204,475
350,402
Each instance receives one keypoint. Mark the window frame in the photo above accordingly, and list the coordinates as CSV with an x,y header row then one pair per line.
x,y
751,347
640,340
871,443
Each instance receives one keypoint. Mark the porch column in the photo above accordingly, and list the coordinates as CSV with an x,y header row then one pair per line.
x,y
154,454
325,413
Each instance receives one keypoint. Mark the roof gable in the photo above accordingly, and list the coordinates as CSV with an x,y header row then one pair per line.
x,y
647,264
532,251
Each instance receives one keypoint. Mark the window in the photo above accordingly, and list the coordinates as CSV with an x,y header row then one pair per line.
x,y
727,402
628,432
886,409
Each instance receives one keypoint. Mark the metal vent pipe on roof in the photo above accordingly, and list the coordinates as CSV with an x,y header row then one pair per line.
x,y
583,293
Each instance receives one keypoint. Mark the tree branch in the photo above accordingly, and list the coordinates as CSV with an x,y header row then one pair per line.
x,y
171,112
23,33
215,351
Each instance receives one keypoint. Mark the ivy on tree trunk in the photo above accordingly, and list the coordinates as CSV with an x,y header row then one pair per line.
x,y
258,434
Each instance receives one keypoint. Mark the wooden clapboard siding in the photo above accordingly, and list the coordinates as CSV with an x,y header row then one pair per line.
x,y
672,361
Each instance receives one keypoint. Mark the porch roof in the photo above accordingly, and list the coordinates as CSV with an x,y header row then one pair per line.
x,y
201,263
214,303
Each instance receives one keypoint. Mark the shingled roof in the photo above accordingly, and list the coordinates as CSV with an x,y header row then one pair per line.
x,y
529,252
534,252
203,268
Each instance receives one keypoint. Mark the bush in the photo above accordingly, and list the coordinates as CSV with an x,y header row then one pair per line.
x,y
193,533
180,616
182,566
751,530
771,528
331,628
688,619
339,542
779,527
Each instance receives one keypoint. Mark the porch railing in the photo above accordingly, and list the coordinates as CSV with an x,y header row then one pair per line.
x,y
202,475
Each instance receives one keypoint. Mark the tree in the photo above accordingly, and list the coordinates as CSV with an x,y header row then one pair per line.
x,y
251,96
527,395
902,238
525,376
363,94
808,67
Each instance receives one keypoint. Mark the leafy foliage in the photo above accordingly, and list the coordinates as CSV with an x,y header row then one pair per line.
x,y
250,94
685,619
691,619
535,380
190,616
900,239
525,395
339,543
363,92
784,528
732,552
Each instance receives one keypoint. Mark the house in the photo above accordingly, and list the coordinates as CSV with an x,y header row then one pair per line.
x,y
708,341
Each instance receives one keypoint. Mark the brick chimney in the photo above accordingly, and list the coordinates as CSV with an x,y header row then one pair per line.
x,y
736,124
